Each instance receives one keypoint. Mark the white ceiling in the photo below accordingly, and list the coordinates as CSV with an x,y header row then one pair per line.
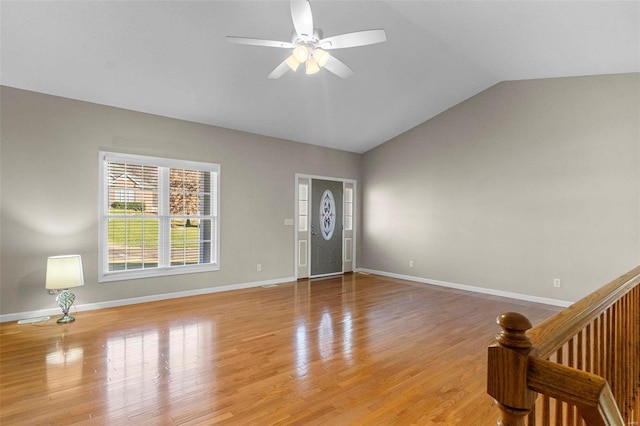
x,y
171,58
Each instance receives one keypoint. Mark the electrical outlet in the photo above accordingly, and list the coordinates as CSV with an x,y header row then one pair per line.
x,y
411,264
259,267
557,283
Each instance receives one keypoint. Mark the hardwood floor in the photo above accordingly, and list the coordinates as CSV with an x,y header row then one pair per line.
x,y
358,349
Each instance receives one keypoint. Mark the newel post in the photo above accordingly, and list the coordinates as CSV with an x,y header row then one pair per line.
x,y
507,369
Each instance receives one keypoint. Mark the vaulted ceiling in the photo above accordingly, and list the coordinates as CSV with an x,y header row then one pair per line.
x,y
171,58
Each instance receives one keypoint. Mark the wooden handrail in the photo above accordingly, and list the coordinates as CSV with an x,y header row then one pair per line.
x,y
589,392
551,334
600,335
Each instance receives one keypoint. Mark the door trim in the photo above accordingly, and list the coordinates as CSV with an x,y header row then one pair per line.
x,y
296,232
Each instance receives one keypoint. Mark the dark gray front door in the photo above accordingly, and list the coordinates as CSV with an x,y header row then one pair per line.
x,y
326,227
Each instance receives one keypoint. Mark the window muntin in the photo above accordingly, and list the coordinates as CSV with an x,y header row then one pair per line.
x,y
158,216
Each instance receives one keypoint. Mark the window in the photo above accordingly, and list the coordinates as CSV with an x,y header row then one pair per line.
x,y
303,206
348,209
157,216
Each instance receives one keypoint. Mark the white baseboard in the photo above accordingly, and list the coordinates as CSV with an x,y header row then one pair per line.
x,y
123,302
152,298
518,296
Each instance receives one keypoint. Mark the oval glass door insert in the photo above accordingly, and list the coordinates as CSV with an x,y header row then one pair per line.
x,y
327,215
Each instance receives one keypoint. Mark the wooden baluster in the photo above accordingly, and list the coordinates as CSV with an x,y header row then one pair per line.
x,y
629,361
634,349
594,346
558,404
633,384
614,348
628,347
507,369
588,350
633,353
620,351
611,376
546,411
603,344
531,417
571,363
582,363
636,336
635,302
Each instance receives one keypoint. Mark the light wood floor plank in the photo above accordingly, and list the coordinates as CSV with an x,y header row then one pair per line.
x,y
358,349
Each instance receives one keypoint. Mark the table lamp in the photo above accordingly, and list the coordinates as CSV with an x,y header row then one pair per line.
x,y
63,273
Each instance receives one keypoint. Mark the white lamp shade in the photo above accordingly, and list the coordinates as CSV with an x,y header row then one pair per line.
x,y
312,67
321,56
301,53
292,62
64,272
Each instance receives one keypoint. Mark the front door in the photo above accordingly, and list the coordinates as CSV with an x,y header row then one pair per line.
x,y
326,227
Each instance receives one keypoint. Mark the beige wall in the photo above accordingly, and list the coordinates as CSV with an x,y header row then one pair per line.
x,y
49,179
523,183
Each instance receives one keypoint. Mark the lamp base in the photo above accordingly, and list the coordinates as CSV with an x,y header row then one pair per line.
x,y
65,301
65,319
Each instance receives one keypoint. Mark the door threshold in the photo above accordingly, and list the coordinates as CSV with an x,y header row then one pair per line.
x,y
326,276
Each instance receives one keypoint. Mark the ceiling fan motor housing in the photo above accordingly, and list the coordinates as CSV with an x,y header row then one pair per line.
x,y
309,40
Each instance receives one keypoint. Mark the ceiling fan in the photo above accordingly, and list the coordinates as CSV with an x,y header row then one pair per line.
x,y
309,47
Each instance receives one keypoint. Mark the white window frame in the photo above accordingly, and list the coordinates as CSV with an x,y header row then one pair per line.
x,y
164,267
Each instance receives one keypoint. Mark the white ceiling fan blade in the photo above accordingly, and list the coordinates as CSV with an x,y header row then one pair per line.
x,y
259,42
338,68
360,38
302,17
280,70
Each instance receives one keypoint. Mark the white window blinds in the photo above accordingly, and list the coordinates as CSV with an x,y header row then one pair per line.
x,y
158,216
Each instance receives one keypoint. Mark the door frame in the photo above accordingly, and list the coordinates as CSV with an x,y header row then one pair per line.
x,y
304,270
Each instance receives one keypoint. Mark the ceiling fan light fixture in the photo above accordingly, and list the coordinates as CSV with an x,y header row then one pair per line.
x,y
321,56
309,46
301,53
292,62
312,67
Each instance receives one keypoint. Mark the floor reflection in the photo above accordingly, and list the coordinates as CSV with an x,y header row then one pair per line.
x,y
325,337
347,338
189,345
65,358
132,364
155,364
302,351
324,332
64,365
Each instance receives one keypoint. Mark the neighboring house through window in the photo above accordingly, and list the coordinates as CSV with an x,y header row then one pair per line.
x,y
158,216
125,195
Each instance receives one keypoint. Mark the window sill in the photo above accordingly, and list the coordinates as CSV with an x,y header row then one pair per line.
x,y
156,272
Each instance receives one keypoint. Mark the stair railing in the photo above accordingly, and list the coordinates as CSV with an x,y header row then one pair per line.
x,y
584,362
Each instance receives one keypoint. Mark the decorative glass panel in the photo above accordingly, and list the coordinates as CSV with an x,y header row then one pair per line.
x,y
327,215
